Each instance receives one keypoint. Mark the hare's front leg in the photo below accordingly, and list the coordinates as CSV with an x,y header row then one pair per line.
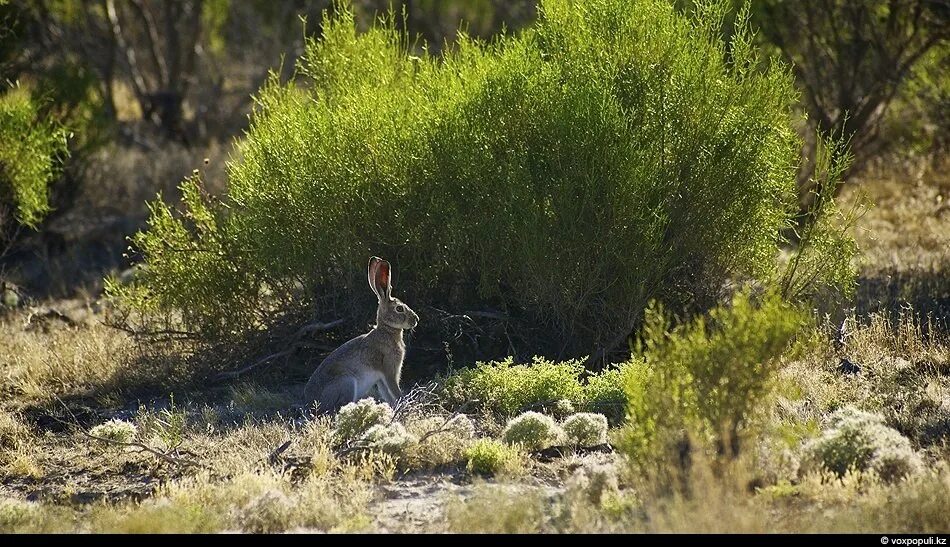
x,y
389,389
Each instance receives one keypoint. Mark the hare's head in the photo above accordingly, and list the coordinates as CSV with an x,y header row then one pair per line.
x,y
392,312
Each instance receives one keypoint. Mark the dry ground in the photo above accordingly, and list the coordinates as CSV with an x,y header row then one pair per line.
x,y
208,460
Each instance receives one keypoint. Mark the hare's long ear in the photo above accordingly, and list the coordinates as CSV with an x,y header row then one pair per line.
x,y
384,288
371,273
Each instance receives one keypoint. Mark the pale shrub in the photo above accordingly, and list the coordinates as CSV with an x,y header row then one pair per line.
x,y
594,482
355,419
441,441
859,441
390,438
585,429
533,431
115,430
564,407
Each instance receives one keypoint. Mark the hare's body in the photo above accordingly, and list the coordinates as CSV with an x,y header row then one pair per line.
x,y
370,360
352,371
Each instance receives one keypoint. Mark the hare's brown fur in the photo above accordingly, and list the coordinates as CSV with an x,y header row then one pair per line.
x,y
370,360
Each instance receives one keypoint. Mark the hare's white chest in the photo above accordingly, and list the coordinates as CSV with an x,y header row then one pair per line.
x,y
366,381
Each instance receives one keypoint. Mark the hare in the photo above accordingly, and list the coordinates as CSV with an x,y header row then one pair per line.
x,y
370,360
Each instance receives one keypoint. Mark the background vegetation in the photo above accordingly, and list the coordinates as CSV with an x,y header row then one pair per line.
x,y
641,281
626,127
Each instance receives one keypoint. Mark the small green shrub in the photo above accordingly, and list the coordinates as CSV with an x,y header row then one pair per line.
x,y
706,378
30,152
585,429
506,389
532,431
563,407
166,427
859,441
115,430
355,419
391,438
490,457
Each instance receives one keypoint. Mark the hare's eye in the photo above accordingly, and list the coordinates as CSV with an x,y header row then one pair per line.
x,y
400,308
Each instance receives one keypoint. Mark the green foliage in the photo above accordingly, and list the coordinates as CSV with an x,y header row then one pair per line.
x,y
841,49
918,122
214,15
824,257
559,388
614,139
585,429
31,149
604,391
115,430
490,457
356,419
532,431
506,389
562,408
859,441
707,377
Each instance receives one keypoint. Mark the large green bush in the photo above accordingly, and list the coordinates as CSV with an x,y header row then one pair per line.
x,y
611,154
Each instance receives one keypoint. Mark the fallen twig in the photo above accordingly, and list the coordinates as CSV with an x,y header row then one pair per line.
x,y
145,448
230,375
442,428
47,314
172,459
488,315
350,447
170,333
417,398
